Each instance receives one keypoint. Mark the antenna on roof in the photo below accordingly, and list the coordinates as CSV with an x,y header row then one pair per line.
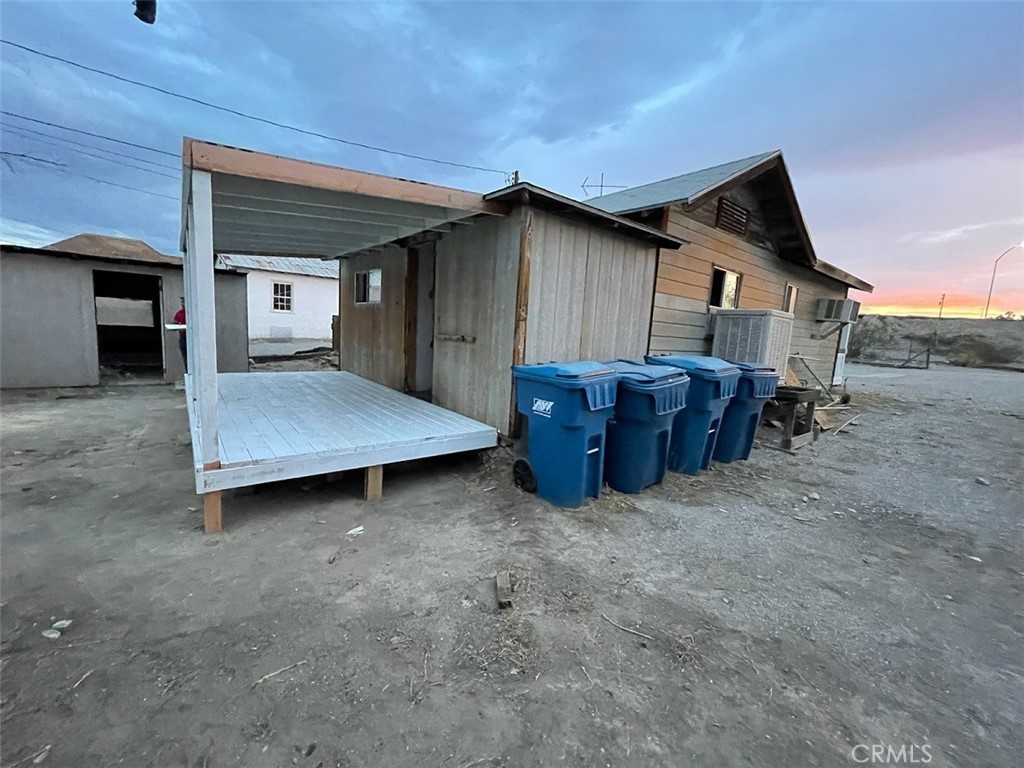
x,y
600,186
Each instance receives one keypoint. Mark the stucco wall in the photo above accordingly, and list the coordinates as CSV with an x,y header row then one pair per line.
x,y
314,303
48,320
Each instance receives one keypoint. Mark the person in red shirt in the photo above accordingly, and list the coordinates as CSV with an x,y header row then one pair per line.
x,y
179,319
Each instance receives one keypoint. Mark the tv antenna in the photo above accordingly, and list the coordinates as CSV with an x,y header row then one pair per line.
x,y
601,186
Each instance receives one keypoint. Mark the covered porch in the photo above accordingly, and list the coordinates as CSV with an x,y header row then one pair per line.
x,y
252,428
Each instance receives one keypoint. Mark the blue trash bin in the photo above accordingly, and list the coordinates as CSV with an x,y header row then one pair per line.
x,y
743,413
695,429
638,434
567,406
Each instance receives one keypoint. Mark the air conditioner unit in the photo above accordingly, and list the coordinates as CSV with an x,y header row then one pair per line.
x,y
754,336
838,310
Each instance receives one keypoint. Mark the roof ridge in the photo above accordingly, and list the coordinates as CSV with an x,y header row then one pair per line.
x,y
751,159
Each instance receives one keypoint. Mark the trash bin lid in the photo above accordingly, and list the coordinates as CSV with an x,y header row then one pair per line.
x,y
705,367
584,369
754,368
642,375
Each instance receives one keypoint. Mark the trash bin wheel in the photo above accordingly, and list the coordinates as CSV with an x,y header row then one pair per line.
x,y
523,476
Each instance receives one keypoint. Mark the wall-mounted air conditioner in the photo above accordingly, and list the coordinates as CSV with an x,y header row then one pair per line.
x,y
753,336
838,310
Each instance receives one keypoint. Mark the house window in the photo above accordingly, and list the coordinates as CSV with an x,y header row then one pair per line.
x,y
731,217
282,297
725,289
789,298
368,285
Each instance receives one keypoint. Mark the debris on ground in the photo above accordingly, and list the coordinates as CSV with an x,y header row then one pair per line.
x,y
355,531
503,589
982,481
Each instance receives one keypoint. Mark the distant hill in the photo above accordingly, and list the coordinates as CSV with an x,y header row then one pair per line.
x,y
958,341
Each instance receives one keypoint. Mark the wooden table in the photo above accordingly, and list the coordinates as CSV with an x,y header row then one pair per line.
x,y
788,399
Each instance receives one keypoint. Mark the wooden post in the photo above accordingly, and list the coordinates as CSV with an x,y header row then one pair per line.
x,y
522,307
211,512
201,317
373,488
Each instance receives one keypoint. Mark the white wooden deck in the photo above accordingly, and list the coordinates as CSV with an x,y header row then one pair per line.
x,y
276,426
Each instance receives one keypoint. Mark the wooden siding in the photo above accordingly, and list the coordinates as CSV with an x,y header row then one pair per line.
x,y
373,335
684,285
590,293
477,270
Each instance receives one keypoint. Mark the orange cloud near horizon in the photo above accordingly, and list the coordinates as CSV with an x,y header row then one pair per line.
x,y
926,303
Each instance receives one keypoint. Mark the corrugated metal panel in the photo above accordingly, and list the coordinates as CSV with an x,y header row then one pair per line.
x,y
287,265
477,270
590,293
676,189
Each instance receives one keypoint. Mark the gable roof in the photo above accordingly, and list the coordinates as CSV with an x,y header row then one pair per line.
x,y
525,193
117,248
773,186
283,264
679,189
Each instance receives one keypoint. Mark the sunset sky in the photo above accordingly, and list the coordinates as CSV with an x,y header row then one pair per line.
x,y
902,124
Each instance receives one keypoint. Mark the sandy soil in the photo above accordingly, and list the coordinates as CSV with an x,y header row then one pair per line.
x,y
765,629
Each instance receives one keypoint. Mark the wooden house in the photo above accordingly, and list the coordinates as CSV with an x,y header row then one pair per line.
x,y
747,247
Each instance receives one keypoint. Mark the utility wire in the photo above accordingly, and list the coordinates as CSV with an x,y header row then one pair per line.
x,y
8,156
122,186
90,154
20,129
88,133
247,116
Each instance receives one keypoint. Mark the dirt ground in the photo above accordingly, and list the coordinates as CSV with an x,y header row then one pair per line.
x,y
754,627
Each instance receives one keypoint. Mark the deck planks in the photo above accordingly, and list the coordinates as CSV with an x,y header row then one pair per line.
x,y
295,424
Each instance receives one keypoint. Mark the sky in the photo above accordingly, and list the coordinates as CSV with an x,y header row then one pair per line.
x,y
902,124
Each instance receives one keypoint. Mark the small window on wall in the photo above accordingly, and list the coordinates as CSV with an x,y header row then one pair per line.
x,y
789,298
725,289
282,297
368,285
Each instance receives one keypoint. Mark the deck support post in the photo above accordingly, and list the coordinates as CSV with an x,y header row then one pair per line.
x,y
373,488
211,512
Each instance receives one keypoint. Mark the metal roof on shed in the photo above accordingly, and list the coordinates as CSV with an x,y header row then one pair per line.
x,y
680,188
285,264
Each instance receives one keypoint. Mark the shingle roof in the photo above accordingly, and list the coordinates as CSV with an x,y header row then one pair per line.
x,y
286,264
681,188
106,247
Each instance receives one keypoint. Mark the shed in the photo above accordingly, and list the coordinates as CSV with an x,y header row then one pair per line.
x,y
290,300
441,292
92,303
748,248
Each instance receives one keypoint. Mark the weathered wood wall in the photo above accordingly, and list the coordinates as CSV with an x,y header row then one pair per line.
x,y
590,293
683,287
373,335
475,280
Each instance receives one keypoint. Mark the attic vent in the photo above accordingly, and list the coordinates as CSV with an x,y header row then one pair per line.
x,y
731,217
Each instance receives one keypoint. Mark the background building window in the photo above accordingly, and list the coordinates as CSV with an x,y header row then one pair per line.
x,y
789,298
725,289
368,287
282,297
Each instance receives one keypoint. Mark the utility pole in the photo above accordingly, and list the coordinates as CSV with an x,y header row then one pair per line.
x,y
994,266
941,302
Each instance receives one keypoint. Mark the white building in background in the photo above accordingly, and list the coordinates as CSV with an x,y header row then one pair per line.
x,y
289,298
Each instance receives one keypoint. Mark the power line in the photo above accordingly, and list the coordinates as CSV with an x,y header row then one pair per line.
x,y
90,154
22,129
122,186
247,116
8,156
88,133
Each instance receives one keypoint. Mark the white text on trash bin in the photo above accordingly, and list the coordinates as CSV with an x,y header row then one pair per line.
x,y
542,407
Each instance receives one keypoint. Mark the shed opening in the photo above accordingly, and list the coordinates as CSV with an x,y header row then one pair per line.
x,y
128,321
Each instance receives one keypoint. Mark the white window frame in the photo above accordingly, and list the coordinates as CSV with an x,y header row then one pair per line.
x,y
290,296
711,292
368,301
789,297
